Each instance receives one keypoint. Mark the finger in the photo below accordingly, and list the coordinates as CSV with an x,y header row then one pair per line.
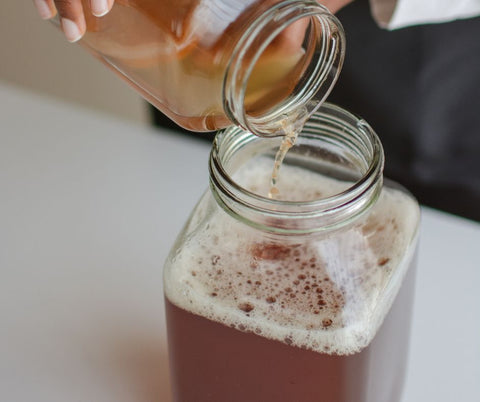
x,y
293,36
290,40
46,8
72,18
101,7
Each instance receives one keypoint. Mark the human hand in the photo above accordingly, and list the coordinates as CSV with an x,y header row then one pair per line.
x,y
72,13
292,37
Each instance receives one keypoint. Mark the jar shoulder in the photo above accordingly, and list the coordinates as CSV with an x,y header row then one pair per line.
x,y
388,231
329,286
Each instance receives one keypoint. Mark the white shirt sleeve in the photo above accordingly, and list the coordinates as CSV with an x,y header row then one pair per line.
x,y
393,14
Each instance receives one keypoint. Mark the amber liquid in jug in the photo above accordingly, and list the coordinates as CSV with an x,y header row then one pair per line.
x,y
175,53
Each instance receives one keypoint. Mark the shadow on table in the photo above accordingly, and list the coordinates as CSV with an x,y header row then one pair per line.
x,y
140,364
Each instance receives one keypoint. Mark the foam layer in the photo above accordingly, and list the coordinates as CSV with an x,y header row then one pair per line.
x,y
327,294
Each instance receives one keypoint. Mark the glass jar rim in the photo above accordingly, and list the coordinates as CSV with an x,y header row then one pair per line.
x,y
324,72
323,214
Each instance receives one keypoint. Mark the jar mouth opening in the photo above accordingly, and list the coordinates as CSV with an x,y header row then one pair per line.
x,y
333,140
264,89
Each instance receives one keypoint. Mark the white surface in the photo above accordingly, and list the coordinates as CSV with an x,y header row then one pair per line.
x,y
414,12
89,208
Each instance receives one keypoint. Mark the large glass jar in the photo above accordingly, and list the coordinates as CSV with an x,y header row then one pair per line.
x,y
306,297
209,64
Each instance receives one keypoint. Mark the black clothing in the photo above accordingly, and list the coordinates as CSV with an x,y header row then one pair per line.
x,y
419,88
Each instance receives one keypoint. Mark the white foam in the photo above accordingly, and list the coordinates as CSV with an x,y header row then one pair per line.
x,y
342,284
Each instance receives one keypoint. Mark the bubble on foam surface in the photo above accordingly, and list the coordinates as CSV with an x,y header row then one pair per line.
x,y
329,295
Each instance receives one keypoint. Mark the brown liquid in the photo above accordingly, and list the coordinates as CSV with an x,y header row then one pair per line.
x,y
176,53
215,363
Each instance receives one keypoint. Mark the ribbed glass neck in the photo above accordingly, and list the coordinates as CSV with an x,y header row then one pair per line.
x,y
334,143
324,46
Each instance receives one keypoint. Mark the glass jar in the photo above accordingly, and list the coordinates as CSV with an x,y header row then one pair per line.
x,y
307,297
208,64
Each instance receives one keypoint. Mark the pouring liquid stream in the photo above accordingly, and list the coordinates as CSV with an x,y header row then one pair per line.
x,y
288,141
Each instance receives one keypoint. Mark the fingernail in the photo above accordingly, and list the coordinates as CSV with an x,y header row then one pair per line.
x,y
71,30
100,7
43,9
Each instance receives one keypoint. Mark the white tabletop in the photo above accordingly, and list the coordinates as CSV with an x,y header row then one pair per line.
x,y
89,207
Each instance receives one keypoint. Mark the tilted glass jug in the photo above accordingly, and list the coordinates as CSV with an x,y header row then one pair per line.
x,y
209,64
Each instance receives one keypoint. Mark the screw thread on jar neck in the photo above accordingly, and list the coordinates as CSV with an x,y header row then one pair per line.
x,y
324,46
352,148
